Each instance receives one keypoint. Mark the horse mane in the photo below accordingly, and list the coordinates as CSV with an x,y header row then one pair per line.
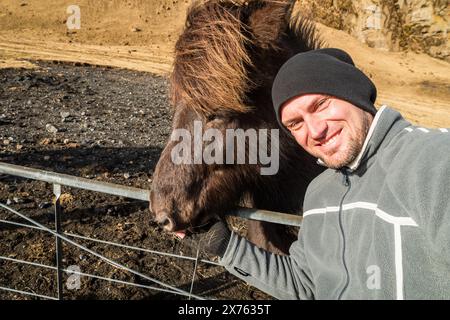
x,y
213,55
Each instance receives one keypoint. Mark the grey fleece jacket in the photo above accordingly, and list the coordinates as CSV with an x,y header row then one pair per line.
x,y
379,231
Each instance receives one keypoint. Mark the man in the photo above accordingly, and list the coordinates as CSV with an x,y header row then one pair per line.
x,y
377,222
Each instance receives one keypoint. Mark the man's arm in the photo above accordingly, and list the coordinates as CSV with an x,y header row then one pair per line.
x,y
284,277
421,180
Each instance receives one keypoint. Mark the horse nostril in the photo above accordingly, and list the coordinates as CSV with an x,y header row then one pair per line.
x,y
164,220
164,223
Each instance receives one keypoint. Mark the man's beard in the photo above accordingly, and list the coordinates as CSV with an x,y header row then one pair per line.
x,y
354,146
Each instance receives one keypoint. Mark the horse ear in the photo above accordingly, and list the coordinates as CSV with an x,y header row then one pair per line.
x,y
268,19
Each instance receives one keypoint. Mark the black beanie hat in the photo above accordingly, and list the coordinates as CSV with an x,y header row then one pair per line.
x,y
324,71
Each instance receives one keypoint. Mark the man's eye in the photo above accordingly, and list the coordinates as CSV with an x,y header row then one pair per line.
x,y
322,103
295,125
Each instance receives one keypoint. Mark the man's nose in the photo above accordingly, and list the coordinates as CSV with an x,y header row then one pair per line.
x,y
317,128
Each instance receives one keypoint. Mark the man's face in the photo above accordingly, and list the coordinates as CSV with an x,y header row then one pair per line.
x,y
328,128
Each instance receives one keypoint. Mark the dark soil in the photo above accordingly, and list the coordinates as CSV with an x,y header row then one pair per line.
x,y
103,124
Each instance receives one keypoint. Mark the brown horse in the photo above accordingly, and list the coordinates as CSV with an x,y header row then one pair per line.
x,y
225,62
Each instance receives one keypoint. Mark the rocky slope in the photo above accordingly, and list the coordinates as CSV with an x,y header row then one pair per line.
x,y
418,25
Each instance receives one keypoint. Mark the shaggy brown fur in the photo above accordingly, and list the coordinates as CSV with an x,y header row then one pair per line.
x,y
213,61
210,66
225,63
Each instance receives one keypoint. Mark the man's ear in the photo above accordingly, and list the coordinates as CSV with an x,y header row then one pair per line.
x,y
268,20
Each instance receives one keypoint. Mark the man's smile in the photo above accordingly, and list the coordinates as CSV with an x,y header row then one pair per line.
x,y
330,142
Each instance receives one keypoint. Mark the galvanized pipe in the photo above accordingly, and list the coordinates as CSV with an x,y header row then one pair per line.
x,y
27,293
83,275
107,260
134,193
58,245
268,216
76,182
120,245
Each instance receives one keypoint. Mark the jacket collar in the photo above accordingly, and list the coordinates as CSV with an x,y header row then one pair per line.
x,y
355,164
385,125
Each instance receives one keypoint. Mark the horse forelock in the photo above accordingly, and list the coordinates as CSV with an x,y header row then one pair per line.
x,y
212,66
211,60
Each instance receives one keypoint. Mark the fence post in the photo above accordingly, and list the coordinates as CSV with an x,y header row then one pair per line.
x,y
59,281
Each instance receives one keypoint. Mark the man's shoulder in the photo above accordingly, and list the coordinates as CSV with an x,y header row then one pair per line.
x,y
400,132
419,140
416,149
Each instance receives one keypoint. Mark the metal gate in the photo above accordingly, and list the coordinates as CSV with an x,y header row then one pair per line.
x,y
58,180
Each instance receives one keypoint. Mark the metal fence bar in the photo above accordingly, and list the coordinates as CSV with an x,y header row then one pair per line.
x,y
58,246
193,274
134,193
76,182
173,255
109,261
88,275
268,216
34,264
109,188
28,293
21,224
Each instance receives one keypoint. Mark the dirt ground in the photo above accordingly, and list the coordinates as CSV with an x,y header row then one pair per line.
x,y
140,35
120,107
97,112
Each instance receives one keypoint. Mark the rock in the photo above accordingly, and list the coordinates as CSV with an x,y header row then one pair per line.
x,y
127,226
8,202
136,29
86,142
64,114
417,25
45,141
51,128
17,200
73,145
126,175
65,199
24,194
44,205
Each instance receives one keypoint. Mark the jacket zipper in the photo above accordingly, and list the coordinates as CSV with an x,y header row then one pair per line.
x,y
345,182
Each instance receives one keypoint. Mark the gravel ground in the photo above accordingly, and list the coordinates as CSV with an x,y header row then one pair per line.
x,y
103,124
